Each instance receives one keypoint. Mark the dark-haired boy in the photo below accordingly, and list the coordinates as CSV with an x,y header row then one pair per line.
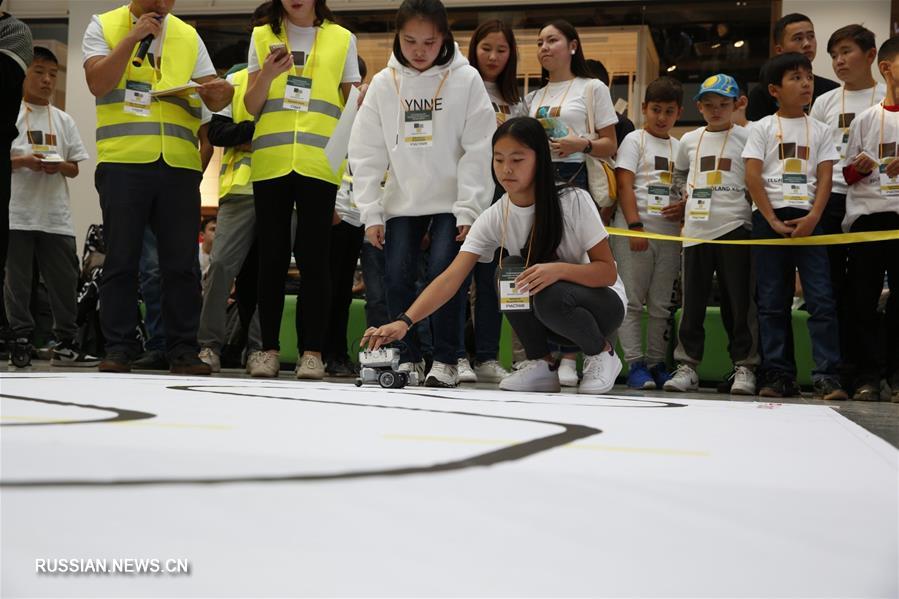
x,y
792,33
649,268
45,153
789,164
853,50
872,204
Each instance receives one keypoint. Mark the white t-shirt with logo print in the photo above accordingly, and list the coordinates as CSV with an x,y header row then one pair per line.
x,y
730,209
501,106
764,144
582,230
300,40
865,196
40,201
647,156
570,98
829,106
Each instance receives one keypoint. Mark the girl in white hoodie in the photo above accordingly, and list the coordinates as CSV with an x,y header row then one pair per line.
x,y
428,118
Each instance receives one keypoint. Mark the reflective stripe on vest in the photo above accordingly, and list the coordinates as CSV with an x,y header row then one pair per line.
x,y
170,131
288,141
236,164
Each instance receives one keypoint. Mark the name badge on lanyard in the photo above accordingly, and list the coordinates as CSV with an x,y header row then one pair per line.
x,y
510,298
137,98
889,186
795,182
418,131
298,93
659,198
700,204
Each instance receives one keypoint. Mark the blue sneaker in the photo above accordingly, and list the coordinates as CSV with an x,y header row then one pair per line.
x,y
659,374
638,377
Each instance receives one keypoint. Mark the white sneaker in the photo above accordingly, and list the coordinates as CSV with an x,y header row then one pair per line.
x,y
208,355
442,375
263,364
568,372
310,367
416,367
466,374
490,371
532,375
600,372
744,381
683,379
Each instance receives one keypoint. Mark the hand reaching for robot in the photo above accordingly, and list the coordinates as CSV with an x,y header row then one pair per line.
x,y
376,337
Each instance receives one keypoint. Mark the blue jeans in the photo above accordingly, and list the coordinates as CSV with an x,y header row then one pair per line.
x,y
573,172
375,294
775,267
402,251
151,292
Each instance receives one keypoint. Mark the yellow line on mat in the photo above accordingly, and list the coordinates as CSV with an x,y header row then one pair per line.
x,y
583,446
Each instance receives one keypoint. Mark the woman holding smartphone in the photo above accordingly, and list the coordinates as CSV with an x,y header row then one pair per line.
x,y
301,68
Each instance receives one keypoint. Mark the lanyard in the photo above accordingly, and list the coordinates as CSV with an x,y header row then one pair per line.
x,y
699,152
502,243
286,40
28,125
883,112
780,135
562,102
842,117
396,84
670,154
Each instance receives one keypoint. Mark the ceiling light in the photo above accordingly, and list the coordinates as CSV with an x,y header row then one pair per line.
x,y
739,44
672,68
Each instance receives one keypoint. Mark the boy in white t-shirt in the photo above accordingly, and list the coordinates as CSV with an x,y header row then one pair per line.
x,y
46,152
873,205
649,268
853,50
709,170
789,163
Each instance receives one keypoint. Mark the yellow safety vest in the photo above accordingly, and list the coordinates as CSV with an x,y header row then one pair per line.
x,y
171,129
292,141
235,170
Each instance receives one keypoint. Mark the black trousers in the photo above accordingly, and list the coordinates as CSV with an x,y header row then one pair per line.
x,y
11,78
168,199
314,200
736,282
346,244
838,255
868,262
568,314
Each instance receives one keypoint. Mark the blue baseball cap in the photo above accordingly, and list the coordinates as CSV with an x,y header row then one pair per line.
x,y
721,84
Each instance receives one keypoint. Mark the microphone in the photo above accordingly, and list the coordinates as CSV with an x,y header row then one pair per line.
x,y
143,48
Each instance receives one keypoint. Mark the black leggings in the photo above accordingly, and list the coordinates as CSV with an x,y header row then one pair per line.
x,y
568,314
274,200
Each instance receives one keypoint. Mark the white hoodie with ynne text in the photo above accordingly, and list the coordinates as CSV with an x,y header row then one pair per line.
x,y
451,176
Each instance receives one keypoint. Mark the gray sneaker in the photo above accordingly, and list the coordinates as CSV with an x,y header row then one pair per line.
x,y
263,364
310,367
208,355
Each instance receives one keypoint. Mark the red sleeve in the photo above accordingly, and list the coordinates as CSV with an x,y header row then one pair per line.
x,y
852,176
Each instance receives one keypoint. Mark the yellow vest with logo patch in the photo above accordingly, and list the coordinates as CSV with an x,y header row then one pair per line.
x,y
236,170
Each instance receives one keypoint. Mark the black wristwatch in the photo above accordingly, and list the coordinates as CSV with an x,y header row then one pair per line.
x,y
402,316
636,225
589,148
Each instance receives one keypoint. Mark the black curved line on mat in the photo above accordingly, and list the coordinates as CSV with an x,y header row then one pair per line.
x,y
518,451
121,415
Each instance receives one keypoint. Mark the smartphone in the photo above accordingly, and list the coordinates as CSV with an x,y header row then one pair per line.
x,y
279,50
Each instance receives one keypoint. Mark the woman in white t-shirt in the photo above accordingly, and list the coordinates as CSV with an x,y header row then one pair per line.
x,y
561,105
557,271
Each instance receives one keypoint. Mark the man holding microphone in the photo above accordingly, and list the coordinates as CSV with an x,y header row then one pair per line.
x,y
149,168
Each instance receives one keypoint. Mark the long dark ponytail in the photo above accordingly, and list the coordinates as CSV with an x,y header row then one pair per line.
x,y
548,224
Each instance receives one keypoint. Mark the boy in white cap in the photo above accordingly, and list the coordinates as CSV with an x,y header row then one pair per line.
x,y
708,170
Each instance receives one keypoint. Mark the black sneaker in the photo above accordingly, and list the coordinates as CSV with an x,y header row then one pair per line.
x,y
66,354
779,384
153,359
829,389
190,363
115,362
867,392
340,368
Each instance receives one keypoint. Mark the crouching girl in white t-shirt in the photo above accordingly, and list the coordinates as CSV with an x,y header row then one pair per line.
x,y
558,281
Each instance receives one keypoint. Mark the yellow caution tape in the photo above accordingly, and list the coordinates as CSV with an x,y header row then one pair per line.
x,y
836,239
